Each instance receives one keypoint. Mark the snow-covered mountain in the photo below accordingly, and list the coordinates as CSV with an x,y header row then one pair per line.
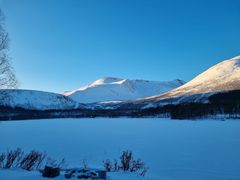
x,y
222,77
117,89
37,100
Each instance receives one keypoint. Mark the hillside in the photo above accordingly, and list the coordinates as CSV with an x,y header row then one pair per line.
x,y
35,100
222,77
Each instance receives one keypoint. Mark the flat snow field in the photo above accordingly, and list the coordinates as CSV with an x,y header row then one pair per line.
x,y
182,150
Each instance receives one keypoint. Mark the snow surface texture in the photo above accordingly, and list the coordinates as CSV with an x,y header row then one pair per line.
x,y
116,89
221,77
18,174
173,150
39,100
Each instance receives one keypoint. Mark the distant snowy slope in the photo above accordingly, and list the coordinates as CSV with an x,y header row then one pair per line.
x,y
30,99
224,76
116,89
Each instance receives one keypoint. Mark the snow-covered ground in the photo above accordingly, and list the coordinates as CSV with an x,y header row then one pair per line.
x,y
173,150
18,174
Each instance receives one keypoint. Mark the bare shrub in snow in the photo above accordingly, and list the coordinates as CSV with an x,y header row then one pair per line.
x,y
62,164
111,167
32,160
136,165
108,165
144,171
115,166
126,160
2,158
11,157
127,163
85,164
55,164
17,158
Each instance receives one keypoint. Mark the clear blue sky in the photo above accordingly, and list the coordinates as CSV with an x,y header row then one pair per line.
x,y
59,45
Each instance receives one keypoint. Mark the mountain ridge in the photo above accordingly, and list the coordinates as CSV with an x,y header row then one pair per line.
x,y
118,89
221,77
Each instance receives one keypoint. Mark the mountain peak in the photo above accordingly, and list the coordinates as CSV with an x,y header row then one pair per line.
x,y
118,89
106,80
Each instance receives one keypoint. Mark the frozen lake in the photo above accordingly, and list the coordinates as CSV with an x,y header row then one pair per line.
x,y
199,150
